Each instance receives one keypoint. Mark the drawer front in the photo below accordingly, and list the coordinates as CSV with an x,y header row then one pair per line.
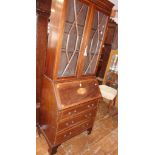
x,y
73,132
89,114
78,109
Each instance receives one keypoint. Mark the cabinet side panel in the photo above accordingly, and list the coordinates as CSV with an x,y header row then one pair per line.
x,y
48,110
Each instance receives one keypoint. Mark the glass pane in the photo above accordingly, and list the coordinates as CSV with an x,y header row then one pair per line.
x,y
73,33
94,45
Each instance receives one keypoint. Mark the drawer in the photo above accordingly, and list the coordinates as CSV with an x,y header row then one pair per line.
x,y
89,114
73,132
79,108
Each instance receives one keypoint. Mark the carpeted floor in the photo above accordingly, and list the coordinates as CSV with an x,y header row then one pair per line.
x,y
102,141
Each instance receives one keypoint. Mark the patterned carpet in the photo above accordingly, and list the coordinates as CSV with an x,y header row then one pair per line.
x,y
102,141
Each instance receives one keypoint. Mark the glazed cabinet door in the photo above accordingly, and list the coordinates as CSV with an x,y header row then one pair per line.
x,y
76,13
92,51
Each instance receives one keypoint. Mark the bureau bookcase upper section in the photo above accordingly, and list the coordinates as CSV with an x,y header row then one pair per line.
x,y
77,31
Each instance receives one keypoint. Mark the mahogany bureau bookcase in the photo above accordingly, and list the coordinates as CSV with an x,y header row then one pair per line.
x,y
70,91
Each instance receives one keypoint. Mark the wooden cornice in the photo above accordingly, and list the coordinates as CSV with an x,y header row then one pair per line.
x,y
105,5
44,6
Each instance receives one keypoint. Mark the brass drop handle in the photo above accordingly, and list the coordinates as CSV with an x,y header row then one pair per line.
x,y
72,122
70,133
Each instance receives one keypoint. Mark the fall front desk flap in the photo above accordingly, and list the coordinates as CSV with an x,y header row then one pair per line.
x,y
76,92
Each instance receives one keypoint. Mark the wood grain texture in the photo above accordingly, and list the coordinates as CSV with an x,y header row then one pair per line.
x,y
70,94
48,110
73,131
83,116
73,111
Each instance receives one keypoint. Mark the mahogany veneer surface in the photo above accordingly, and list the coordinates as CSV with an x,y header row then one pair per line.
x,y
75,92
